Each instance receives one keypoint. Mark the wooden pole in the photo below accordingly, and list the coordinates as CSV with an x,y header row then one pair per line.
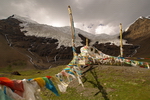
x,y
121,44
87,42
72,30
72,26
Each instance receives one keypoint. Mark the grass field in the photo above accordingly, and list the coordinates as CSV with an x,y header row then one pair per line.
x,y
100,83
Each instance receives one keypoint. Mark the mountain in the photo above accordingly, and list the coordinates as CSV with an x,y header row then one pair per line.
x,y
138,33
42,46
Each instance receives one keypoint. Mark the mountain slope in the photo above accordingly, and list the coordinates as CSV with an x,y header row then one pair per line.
x,y
11,58
139,34
48,46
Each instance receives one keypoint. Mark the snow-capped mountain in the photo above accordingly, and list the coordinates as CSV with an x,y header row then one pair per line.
x,y
47,46
63,34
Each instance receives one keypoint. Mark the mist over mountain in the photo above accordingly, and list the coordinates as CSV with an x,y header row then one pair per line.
x,y
46,46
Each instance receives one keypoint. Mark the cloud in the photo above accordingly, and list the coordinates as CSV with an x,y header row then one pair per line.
x,y
110,13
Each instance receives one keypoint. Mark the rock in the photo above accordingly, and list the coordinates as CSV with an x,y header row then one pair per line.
x,y
15,73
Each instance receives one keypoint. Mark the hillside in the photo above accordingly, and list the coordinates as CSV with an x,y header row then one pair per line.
x,y
139,34
12,58
47,46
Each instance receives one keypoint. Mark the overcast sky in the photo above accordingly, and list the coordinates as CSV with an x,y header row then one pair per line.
x,y
104,16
